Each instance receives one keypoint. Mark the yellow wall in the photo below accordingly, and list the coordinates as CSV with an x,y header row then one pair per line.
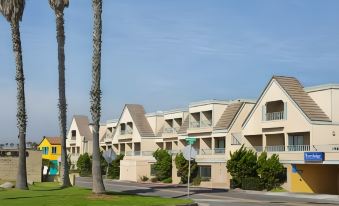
x,y
315,178
50,156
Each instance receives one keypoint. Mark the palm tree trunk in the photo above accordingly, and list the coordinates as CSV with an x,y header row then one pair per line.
x,y
21,180
98,185
62,97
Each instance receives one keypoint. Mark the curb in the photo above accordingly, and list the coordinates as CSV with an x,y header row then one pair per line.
x,y
190,204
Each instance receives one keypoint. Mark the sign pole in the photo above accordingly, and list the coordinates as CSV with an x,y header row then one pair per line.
x,y
189,173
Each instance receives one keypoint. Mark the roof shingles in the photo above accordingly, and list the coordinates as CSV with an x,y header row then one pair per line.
x,y
228,116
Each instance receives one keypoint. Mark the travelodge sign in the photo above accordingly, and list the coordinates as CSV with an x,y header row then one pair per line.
x,y
314,156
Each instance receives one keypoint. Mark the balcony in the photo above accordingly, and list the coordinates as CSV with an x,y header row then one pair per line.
x,y
170,130
133,153
126,132
215,151
275,116
283,148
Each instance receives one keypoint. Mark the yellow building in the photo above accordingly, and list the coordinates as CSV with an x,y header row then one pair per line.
x,y
51,150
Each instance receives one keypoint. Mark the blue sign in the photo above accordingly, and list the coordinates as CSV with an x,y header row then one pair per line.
x,y
314,156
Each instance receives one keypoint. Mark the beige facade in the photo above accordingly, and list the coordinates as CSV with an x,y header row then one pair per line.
x,y
287,119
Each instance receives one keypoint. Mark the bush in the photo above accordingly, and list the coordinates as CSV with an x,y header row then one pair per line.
x,y
196,181
154,179
242,164
167,180
252,173
163,164
182,166
114,168
270,171
84,165
251,183
144,178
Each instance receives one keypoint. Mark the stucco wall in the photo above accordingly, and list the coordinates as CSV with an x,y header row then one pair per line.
x,y
9,167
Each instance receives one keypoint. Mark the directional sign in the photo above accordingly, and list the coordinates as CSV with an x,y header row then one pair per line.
x,y
190,140
189,152
109,156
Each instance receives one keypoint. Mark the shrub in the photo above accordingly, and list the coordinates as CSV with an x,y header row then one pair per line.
x,y
114,168
251,183
144,178
167,180
196,181
84,165
163,164
182,166
270,171
242,164
154,179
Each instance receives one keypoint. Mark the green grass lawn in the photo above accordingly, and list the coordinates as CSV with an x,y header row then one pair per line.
x,y
50,194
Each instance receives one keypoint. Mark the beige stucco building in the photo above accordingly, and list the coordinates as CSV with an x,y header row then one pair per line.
x,y
294,122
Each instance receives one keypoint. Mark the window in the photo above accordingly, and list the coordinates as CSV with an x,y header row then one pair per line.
x,y
74,133
54,150
45,150
153,171
296,140
122,128
205,172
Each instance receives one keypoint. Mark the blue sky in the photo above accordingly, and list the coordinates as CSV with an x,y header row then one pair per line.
x,y
165,54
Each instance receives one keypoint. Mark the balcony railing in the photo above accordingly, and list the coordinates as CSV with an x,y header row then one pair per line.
x,y
194,124
283,148
171,130
133,153
201,124
129,131
275,116
215,151
205,123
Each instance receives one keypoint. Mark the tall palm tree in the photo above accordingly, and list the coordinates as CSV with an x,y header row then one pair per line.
x,y
98,185
58,6
13,10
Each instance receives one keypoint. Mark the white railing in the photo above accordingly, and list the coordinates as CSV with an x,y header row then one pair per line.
x,y
169,130
129,131
194,124
275,148
147,153
133,153
275,116
215,151
298,148
283,148
205,123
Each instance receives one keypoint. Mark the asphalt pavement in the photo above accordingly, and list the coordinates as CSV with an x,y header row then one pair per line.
x,y
213,197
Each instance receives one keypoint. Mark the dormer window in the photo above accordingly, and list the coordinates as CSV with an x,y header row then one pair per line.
x,y
129,128
74,133
275,110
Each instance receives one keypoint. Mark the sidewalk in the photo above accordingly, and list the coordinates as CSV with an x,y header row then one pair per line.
x,y
333,198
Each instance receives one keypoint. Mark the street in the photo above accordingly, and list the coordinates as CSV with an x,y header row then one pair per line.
x,y
204,196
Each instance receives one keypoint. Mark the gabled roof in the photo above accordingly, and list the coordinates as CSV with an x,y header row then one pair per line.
x,y
102,132
228,116
137,113
184,126
296,91
83,126
52,140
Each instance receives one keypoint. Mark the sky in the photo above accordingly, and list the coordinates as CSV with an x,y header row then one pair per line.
x,y
165,54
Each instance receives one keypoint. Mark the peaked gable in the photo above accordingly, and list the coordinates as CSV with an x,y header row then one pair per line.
x,y
82,124
294,90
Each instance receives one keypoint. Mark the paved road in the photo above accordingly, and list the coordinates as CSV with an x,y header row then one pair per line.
x,y
203,196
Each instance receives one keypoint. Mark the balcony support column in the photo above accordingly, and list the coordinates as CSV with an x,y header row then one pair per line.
x,y
286,141
213,144
264,144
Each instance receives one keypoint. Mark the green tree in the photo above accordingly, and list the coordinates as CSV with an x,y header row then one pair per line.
x,y
58,6
242,164
84,164
270,171
182,168
13,10
114,168
163,164
98,184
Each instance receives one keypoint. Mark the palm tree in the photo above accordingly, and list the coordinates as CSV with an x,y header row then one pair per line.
x,y
13,10
58,6
98,185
